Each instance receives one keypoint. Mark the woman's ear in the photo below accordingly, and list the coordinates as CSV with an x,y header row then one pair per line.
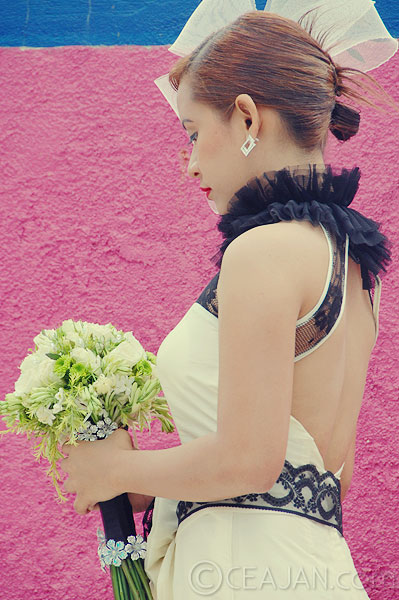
x,y
248,109
242,102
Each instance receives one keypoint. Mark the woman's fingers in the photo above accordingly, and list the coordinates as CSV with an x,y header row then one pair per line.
x,y
64,449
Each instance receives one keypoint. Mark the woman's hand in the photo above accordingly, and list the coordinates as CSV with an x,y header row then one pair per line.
x,y
91,467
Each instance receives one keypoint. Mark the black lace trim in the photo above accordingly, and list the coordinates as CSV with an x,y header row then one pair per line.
x,y
299,490
311,332
316,194
208,297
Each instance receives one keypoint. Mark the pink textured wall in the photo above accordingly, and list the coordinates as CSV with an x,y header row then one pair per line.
x,y
100,222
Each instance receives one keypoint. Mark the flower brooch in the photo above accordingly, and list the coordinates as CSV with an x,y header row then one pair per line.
x,y
112,552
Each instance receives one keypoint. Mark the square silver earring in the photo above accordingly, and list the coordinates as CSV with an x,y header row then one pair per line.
x,y
249,144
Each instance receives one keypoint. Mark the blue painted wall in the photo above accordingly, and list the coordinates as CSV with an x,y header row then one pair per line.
x,y
45,23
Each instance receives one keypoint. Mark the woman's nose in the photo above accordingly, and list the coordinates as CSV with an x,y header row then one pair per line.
x,y
192,168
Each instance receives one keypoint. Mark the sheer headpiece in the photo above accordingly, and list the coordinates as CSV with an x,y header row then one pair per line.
x,y
355,30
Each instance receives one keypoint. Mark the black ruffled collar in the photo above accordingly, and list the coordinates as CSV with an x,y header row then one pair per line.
x,y
313,192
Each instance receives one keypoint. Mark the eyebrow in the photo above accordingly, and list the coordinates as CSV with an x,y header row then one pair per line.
x,y
184,120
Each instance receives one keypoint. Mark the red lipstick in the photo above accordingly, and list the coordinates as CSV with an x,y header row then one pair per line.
x,y
206,190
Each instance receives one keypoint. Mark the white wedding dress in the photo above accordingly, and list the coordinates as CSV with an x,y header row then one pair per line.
x,y
235,552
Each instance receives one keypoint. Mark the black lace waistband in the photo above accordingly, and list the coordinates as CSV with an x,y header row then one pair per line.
x,y
302,490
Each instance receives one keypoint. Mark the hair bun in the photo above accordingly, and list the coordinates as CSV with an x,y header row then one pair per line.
x,y
344,121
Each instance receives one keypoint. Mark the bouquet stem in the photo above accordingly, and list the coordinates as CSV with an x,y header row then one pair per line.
x,y
115,582
133,581
143,577
129,580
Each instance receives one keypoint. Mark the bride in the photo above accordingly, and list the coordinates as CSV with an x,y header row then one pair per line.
x,y
265,372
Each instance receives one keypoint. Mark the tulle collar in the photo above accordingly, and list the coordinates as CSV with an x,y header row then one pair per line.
x,y
311,191
300,183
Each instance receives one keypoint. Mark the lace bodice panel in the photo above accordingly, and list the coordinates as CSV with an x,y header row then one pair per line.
x,y
314,327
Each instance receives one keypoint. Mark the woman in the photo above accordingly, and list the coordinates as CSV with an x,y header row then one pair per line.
x,y
265,372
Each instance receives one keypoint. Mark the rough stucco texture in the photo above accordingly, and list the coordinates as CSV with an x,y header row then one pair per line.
x,y
100,222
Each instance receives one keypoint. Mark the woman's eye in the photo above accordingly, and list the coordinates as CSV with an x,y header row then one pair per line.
x,y
191,139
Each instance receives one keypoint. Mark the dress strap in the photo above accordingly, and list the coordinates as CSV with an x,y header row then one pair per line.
x,y
314,328
338,473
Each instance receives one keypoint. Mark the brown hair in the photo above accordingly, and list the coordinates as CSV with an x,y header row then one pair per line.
x,y
280,65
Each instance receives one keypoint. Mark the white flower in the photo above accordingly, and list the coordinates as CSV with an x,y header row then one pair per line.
x,y
84,435
104,384
46,372
45,415
137,546
68,327
114,553
101,537
60,395
92,432
130,350
57,407
76,339
86,357
29,374
122,384
106,427
31,362
102,542
44,341
37,370
80,402
103,332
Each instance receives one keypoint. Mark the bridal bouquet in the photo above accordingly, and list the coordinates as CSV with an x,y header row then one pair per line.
x,y
81,382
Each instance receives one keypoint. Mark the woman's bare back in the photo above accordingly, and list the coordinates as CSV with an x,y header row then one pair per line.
x,y
329,382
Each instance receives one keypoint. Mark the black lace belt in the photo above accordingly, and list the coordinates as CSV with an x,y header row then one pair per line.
x,y
299,490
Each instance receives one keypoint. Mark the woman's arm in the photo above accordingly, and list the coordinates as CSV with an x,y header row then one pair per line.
x,y
139,502
199,470
203,469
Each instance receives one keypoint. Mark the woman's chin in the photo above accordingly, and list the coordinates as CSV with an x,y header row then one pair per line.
x,y
212,206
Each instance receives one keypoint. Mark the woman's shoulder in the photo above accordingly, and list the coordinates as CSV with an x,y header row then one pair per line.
x,y
270,254
283,239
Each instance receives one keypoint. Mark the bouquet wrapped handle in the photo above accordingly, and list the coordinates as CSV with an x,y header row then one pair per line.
x,y
117,518
126,547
